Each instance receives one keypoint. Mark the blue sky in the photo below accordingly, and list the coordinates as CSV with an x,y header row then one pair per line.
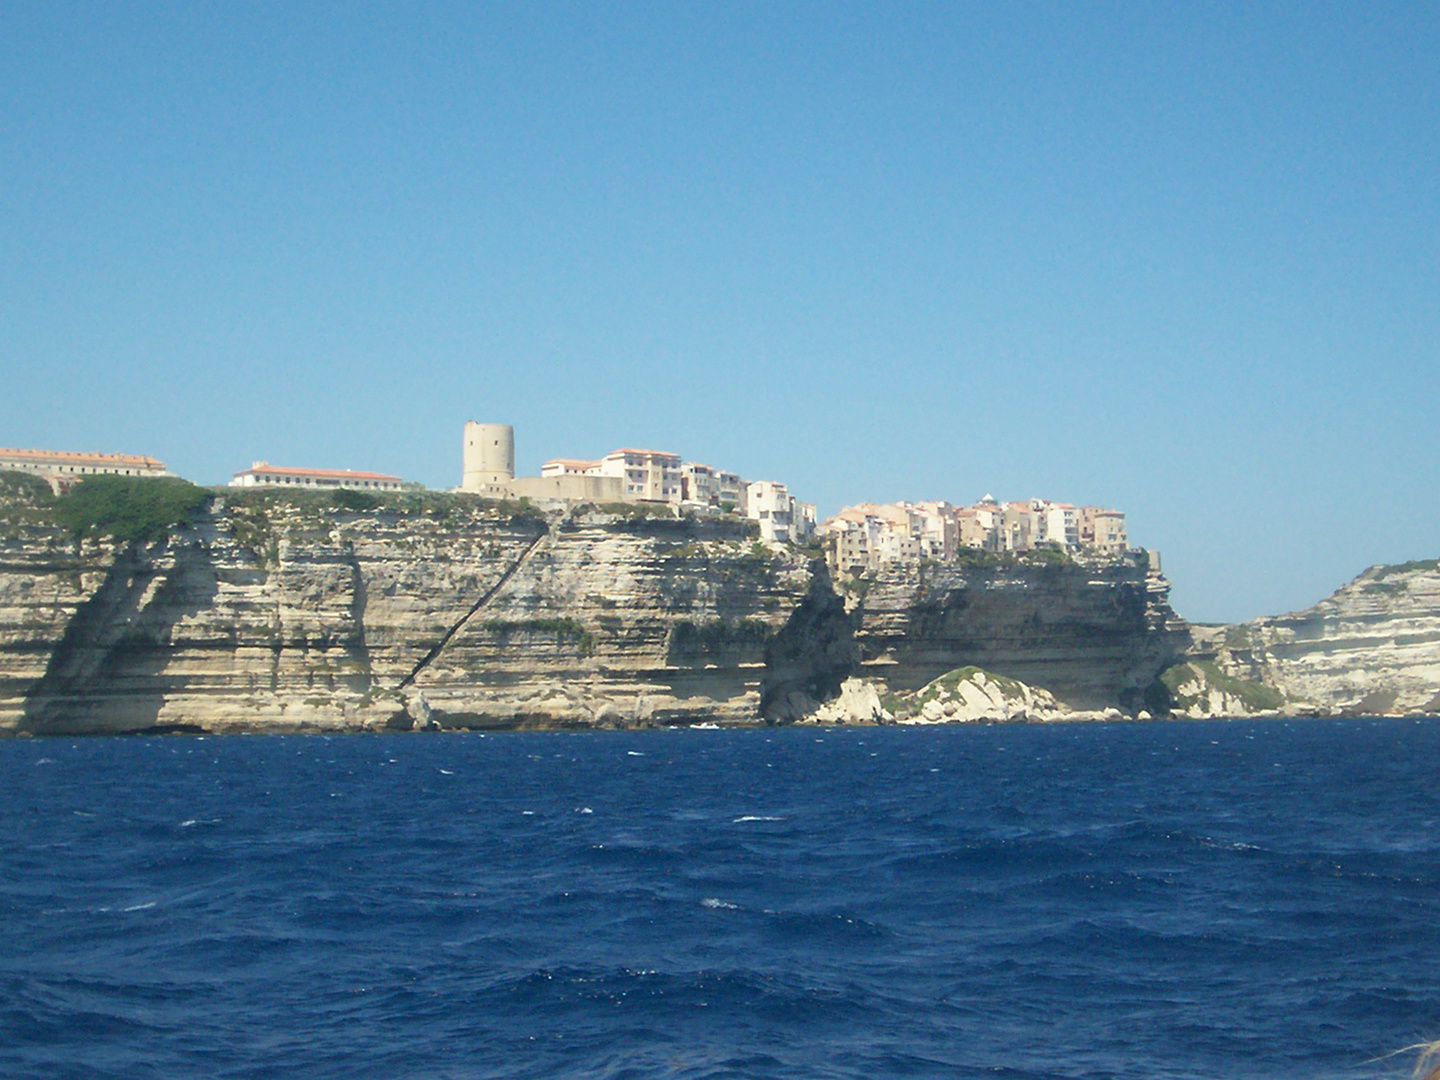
x,y
1178,259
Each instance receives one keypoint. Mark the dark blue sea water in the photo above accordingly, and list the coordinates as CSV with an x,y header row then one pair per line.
x,y
1256,899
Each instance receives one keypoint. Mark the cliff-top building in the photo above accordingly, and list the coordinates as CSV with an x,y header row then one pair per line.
x,y
65,468
782,517
867,536
489,469
263,474
489,455
631,475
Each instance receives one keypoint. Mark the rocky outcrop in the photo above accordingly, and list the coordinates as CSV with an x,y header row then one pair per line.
x,y
857,703
1372,648
1200,688
1095,636
276,611
972,695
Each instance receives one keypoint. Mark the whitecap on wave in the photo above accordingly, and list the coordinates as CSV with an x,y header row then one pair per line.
x,y
756,817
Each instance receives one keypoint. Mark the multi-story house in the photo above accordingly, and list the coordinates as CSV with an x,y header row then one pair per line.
x,y
710,486
648,475
699,484
782,517
1108,530
1057,524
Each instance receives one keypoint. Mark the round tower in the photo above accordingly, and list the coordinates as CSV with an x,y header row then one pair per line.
x,y
489,455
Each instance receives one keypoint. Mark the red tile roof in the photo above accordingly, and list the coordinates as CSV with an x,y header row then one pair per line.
x,y
72,457
328,474
653,453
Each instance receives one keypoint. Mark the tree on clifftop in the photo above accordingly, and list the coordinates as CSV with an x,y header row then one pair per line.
x,y
129,508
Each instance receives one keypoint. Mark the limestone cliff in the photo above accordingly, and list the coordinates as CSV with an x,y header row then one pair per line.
x,y
1373,647
274,611
1095,636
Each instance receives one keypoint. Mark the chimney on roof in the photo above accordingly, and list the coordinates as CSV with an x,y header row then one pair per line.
x,y
259,464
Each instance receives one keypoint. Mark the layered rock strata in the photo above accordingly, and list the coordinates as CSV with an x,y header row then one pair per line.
x,y
1095,636
1371,648
275,613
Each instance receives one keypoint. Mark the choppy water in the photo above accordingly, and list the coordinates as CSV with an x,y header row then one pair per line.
x,y
1257,899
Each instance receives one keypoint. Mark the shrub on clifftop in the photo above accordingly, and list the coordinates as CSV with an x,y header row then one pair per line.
x,y
354,500
129,508
24,488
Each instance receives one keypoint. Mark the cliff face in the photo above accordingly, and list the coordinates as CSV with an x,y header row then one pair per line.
x,y
1373,647
268,614
274,613
1094,636
45,581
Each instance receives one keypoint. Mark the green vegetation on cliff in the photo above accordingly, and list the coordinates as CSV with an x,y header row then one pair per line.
x,y
439,505
946,688
563,629
1379,573
128,508
23,488
24,500
1202,676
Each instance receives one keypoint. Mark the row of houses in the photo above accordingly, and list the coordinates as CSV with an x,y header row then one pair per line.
x,y
858,538
869,535
661,476
624,475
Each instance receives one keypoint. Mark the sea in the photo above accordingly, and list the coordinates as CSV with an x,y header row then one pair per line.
x,y
1206,899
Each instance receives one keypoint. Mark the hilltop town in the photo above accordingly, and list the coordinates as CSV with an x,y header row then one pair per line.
x,y
634,589
860,538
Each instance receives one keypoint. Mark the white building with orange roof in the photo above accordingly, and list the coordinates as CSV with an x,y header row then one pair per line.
x,y
263,474
64,468
568,467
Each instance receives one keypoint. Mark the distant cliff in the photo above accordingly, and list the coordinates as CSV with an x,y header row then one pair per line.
x,y
1372,648
275,611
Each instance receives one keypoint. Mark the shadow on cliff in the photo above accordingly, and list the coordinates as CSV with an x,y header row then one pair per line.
x,y
107,673
1095,638
813,653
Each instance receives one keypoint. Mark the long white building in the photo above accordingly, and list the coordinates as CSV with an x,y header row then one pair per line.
x,y
263,474
64,468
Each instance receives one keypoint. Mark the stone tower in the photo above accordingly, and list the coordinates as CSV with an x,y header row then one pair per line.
x,y
489,455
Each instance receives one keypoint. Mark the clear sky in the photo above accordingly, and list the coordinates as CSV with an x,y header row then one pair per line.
x,y
1183,260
